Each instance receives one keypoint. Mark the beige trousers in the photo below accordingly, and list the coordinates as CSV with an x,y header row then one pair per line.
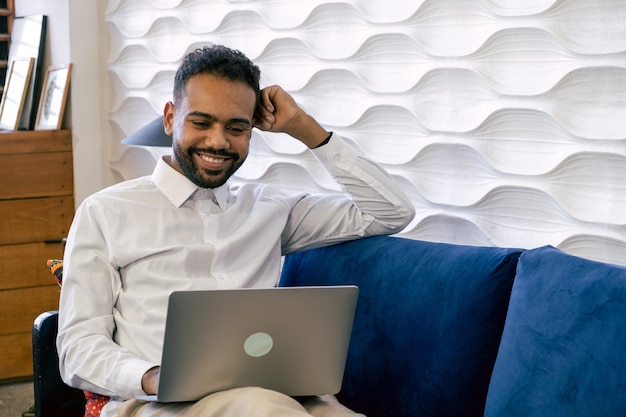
x,y
241,402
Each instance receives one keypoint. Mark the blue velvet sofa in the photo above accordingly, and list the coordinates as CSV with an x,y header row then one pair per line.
x,y
453,330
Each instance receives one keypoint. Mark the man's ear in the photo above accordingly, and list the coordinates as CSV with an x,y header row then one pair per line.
x,y
168,118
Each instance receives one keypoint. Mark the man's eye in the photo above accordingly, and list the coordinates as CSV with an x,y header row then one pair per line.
x,y
237,130
200,124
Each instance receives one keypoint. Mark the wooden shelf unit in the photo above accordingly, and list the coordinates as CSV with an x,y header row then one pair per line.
x,y
36,210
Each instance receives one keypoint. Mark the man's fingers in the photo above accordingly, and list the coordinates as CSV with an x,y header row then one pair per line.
x,y
264,116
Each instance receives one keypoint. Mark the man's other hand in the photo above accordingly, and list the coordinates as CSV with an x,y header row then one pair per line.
x,y
150,380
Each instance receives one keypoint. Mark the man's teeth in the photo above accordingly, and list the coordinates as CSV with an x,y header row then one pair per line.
x,y
212,159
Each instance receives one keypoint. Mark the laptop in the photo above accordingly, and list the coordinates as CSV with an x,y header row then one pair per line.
x,y
289,339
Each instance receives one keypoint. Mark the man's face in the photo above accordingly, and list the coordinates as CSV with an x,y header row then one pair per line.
x,y
210,128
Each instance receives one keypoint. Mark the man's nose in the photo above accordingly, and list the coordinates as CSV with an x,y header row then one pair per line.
x,y
217,138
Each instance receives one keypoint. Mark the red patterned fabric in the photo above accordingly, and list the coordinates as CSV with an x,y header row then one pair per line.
x,y
94,405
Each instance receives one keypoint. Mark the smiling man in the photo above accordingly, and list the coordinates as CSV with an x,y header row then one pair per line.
x,y
185,227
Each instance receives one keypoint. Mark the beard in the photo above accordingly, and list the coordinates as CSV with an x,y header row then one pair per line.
x,y
203,177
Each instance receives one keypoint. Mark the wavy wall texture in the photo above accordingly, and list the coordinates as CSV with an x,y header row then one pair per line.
x,y
503,120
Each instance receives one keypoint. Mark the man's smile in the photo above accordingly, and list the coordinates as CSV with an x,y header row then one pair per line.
x,y
215,160
212,159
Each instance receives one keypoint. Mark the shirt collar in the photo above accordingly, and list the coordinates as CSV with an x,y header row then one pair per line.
x,y
178,188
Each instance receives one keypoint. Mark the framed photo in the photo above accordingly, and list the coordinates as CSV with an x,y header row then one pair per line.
x,y
53,97
14,94
28,39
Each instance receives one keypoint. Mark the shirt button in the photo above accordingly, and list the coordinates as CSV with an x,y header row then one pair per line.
x,y
337,157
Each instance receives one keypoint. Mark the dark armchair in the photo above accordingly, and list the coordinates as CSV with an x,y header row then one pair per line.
x,y
52,397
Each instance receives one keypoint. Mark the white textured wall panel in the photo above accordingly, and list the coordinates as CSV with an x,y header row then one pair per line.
x,y
503,120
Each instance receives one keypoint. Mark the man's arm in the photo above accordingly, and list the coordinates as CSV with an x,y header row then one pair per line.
x,y
374,205
89,358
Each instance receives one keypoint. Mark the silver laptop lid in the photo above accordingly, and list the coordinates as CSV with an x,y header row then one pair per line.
x,y
292,339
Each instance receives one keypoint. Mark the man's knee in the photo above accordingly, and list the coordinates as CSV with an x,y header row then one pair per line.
x,y
253,401
259,394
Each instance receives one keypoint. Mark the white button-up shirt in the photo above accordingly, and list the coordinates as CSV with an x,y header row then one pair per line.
x,y
134,243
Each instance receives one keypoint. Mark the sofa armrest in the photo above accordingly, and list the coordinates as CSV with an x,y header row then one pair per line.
x,y
52,396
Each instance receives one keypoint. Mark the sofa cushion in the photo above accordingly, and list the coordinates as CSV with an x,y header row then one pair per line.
x,y
563,350
428,321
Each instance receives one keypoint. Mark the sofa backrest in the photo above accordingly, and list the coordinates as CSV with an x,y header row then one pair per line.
x,y
428,324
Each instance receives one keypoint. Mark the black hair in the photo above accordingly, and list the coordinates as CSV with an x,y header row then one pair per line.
x,y
217,60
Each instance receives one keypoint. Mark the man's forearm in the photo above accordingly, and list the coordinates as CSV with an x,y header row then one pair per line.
x,y
373,190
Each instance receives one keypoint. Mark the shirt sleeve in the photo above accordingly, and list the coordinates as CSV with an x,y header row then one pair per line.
x,y
373,203
89,359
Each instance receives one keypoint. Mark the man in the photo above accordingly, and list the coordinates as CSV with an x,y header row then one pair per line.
x,y
184,227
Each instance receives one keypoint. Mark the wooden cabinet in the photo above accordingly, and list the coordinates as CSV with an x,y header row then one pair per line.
x,y
36,210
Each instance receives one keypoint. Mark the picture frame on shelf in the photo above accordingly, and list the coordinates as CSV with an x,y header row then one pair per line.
x,y
28,38
12,104
53,98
